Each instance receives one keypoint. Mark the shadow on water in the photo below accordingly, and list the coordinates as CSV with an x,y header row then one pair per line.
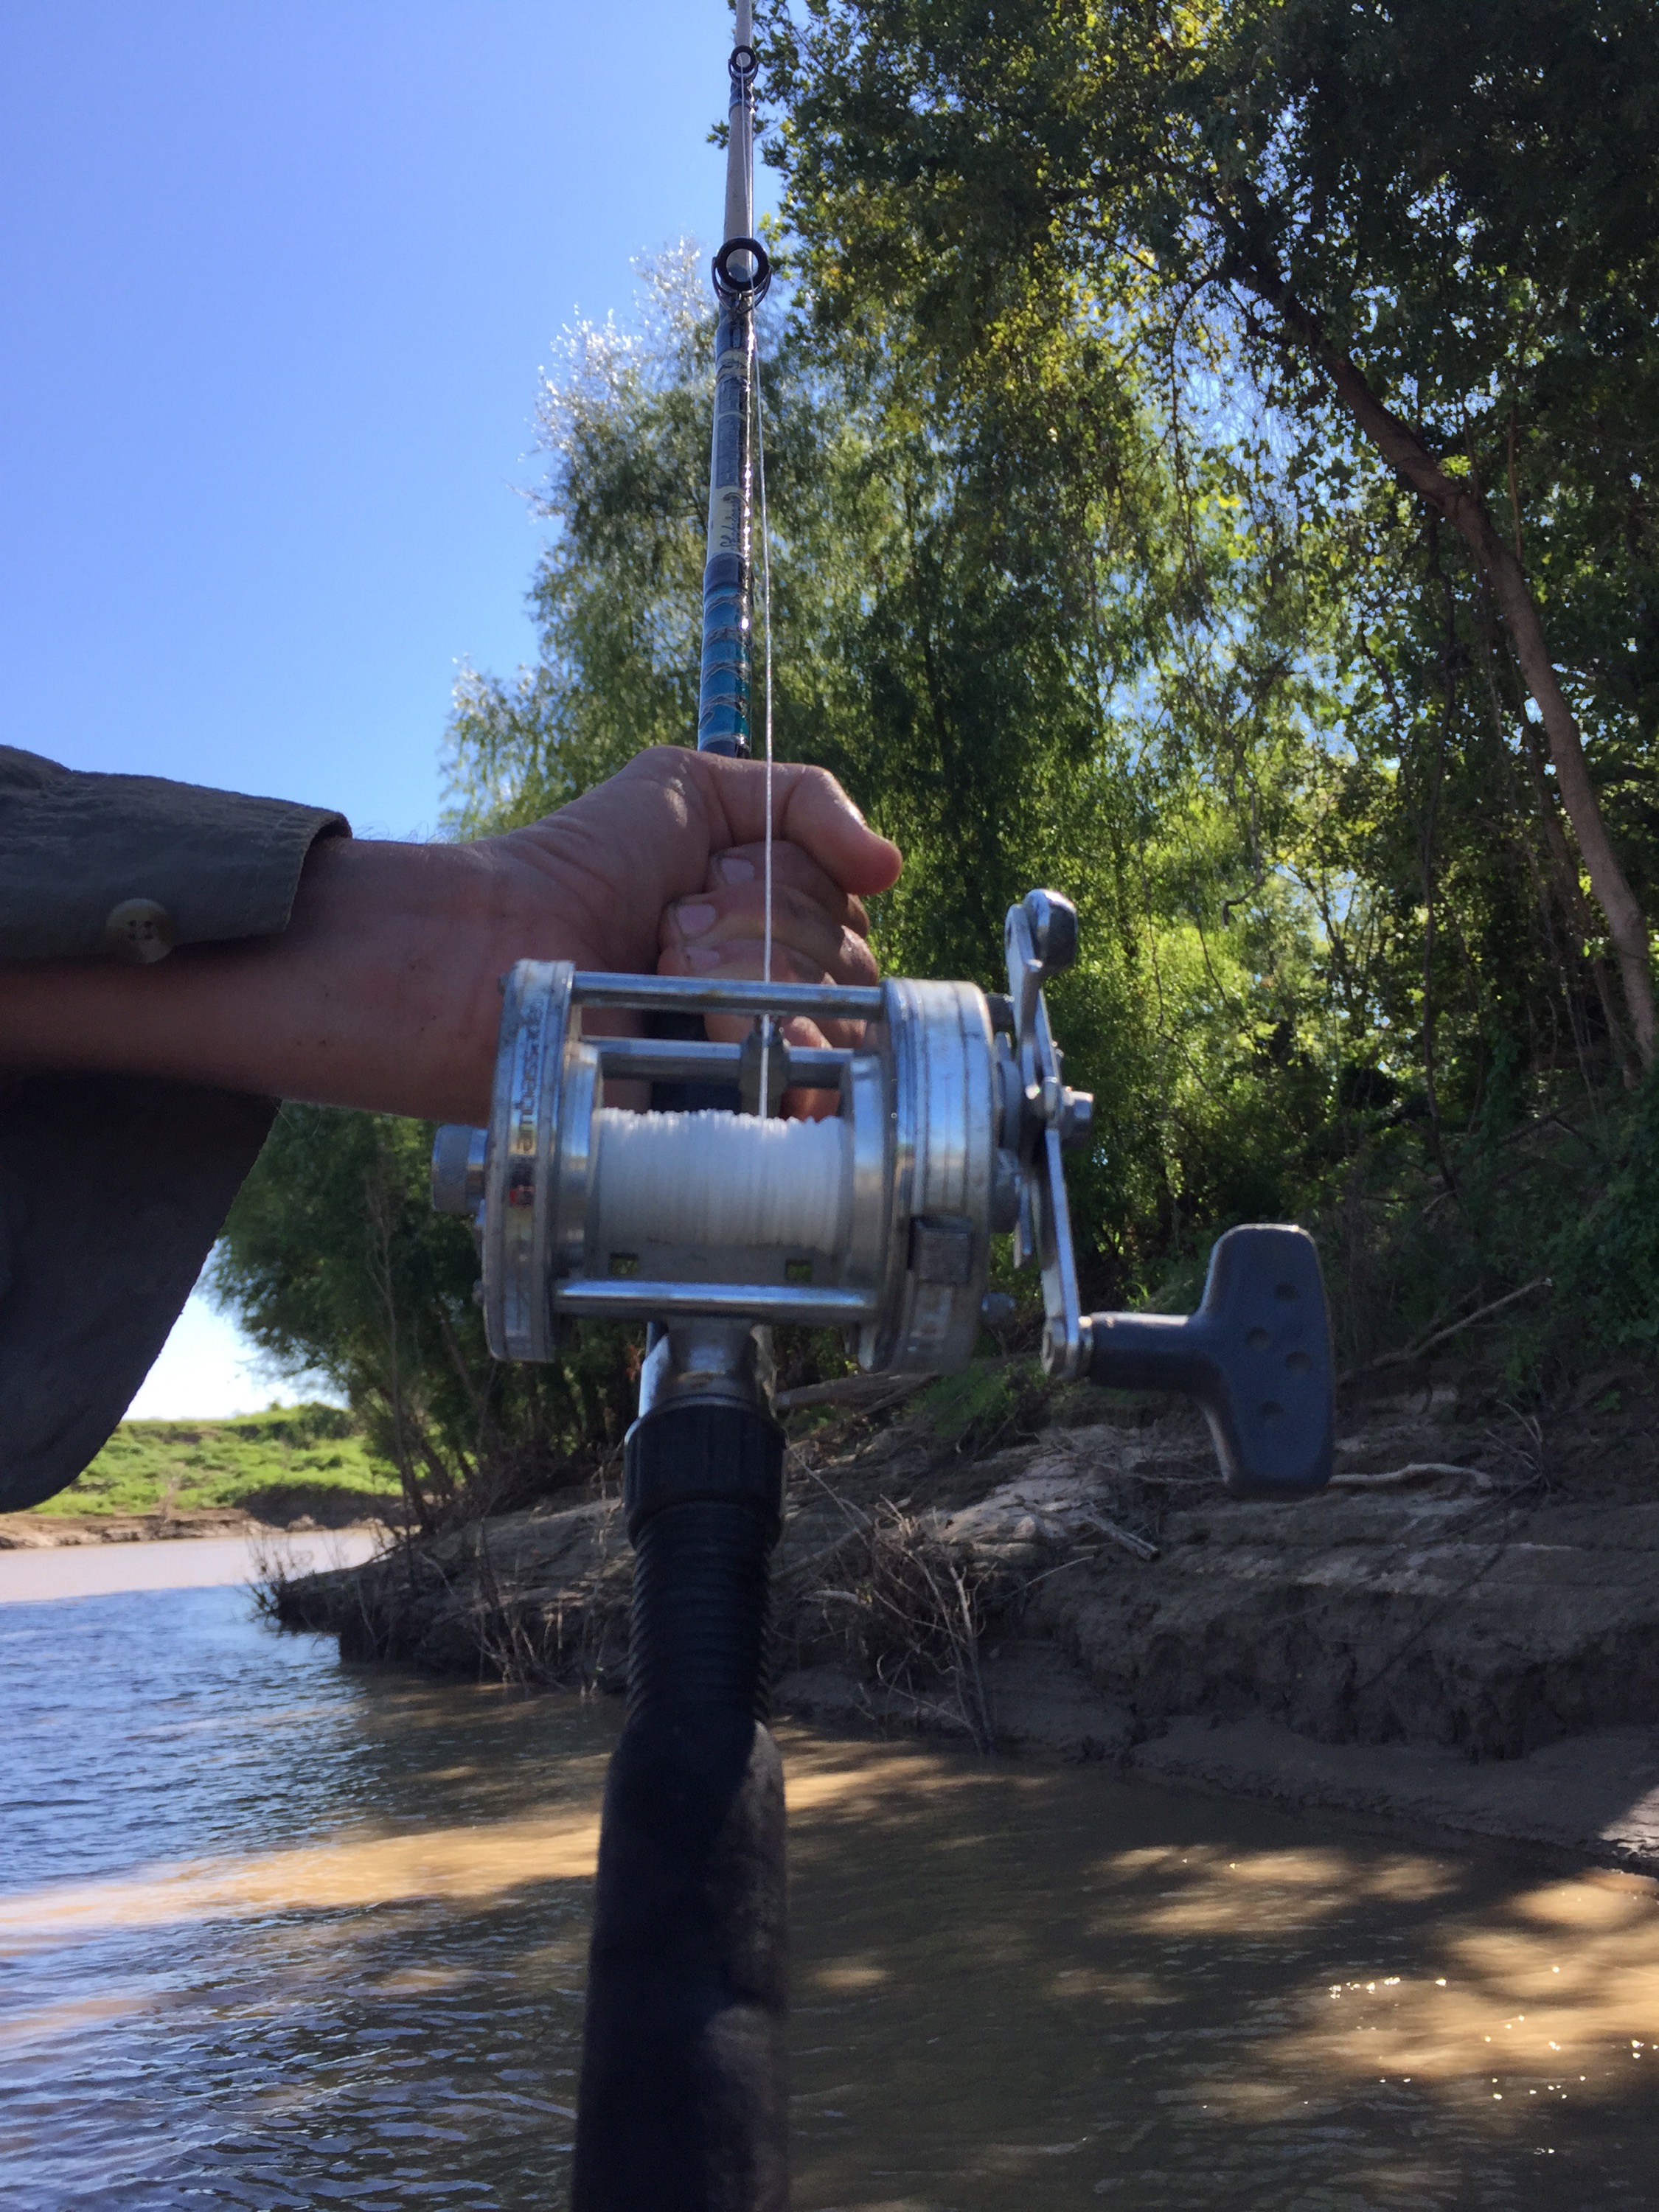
x,y
277,1933
1052,1990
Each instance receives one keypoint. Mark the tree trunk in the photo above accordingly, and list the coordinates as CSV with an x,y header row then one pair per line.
x,y
1463,508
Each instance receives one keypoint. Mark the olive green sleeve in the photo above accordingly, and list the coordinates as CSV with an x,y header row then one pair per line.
x,y
127,867
112,1187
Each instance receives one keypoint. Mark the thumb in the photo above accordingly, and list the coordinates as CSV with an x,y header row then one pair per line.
x,y
809,808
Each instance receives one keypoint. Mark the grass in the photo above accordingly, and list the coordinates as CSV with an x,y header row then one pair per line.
x,y
280,1465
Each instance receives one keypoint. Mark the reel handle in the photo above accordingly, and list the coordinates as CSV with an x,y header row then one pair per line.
x,y
1256,1356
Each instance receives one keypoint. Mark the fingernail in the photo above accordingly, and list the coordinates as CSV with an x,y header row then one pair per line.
x,y
693,920
736,871
702,955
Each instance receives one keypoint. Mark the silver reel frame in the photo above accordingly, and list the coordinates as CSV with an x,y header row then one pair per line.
x,y
958,1116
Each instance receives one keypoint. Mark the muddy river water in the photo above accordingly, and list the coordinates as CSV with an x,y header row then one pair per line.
x,y
278,1933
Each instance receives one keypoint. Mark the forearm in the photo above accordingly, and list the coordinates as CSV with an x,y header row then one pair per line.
x,y
381,994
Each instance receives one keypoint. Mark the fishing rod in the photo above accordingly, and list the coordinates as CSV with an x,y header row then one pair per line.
x,y
742,275
715,1219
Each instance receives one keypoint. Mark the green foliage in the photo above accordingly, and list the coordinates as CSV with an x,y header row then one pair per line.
x,y
1031,654
336,1264
619,596
279,1464
1467,206
1080,577
1607,1256
1042,636
974,1407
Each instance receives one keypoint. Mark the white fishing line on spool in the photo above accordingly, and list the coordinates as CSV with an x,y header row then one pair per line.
x,y
709,1180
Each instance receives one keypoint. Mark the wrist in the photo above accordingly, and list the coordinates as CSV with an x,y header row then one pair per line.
x,y
383,993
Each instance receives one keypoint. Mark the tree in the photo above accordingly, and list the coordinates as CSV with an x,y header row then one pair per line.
x,y
1083,572
1446,225
1027,650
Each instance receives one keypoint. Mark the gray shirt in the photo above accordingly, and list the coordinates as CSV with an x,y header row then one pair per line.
x,y
112,1187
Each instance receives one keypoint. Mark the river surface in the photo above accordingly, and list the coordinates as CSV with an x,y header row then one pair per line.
x,y
277,1933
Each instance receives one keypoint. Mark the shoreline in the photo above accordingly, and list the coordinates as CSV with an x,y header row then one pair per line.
x,y
1461,1635
52,1532
46,1574
1589,1800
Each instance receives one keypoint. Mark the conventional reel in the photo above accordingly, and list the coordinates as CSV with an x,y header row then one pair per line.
x,y
952,1118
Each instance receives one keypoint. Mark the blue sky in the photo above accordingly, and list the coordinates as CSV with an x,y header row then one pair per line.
x,y
279,280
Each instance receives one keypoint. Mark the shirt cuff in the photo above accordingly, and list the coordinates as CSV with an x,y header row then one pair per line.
x,y
126,867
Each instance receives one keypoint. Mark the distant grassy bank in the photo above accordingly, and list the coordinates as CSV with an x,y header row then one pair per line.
x,y
279,1466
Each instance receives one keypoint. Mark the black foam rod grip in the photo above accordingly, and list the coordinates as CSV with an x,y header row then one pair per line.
x,y
1256,1356
683,2105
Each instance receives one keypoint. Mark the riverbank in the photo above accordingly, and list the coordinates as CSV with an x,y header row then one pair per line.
x,y
1461,1635
52,1532
57,1532
47,1574
291,1466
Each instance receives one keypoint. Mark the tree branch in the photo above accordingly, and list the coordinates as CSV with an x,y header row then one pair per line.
x,y
1462,505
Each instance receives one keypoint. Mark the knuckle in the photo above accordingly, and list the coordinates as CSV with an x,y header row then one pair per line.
x,y
801,969
857,961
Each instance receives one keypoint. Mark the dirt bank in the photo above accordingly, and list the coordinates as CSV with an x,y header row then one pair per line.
x,y
43,1532
1462,1633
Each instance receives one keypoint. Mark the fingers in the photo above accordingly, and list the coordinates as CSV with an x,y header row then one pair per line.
x,y
720,933
740,959
597,873
592,878
792,868
809,808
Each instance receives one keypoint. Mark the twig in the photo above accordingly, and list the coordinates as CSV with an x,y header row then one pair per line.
x,y
1419,1470
856,1515
1077,1559
802,1570
979,1717
861,1391
1417,1351
1137,1546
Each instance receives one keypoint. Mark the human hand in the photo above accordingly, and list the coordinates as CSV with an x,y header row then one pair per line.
x,y
820,934
651,821
676,830
382,993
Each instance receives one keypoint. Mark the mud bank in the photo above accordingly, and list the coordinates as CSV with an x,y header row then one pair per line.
x,y
1462,1634
51,1532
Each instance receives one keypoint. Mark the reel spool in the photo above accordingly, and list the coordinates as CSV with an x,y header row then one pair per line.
x,y
952,1120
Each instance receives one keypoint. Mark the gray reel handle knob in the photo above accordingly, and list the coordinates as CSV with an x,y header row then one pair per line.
x,y
1256,1356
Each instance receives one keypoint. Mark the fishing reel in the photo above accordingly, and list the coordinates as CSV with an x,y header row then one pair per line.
x,y
952,1118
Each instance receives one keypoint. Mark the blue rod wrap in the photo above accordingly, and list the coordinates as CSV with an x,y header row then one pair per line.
x,y
725,693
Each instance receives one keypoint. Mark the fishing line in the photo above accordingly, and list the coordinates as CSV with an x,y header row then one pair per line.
x,y
766,634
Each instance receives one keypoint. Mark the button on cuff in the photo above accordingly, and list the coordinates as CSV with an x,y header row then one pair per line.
x,y
140,931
